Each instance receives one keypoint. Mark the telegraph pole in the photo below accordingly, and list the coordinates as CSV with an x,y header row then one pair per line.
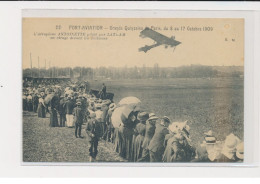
x,y
31,62
38,67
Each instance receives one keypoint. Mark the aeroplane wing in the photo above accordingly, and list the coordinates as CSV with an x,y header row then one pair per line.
x,y
146,48
157,37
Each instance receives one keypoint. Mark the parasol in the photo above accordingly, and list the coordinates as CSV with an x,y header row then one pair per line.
x,y
48,98
129,100
116,117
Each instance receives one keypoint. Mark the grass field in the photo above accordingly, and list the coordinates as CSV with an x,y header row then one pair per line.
x,y
208,104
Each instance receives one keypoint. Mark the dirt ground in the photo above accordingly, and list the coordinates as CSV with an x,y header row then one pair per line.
x,y
42,143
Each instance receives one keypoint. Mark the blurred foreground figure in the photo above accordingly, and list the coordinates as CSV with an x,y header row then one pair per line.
x,y
78,119
156,147
94,133
139,136
149,132
228,153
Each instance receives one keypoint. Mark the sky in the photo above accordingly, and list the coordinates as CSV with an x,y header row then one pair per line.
x,y
221,43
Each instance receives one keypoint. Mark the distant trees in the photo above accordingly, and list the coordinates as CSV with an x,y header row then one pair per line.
x,y
87,73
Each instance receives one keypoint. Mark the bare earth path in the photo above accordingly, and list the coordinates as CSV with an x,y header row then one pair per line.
x,y
42,143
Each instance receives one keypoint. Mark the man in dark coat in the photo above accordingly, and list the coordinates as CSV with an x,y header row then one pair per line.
x,y
62,111
54,104
156,148
69,106
94,132
78,119
103,92
35,100
104,109
149,132
110,128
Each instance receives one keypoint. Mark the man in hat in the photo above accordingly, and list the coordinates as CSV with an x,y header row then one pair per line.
x,y
93,130
103,91
69,106
78,119
104,109
240,152
149,132
35,100
156,148
206,151
110,128
229,149
138,137
62,111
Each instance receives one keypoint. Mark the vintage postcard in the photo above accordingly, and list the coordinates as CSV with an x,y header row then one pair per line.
x,y
139,90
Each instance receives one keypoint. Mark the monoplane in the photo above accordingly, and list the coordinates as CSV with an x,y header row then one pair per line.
x,y
158,38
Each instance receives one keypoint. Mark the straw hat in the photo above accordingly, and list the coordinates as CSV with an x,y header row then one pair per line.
x,y
92,115
112,106
98,106
106,102
210,140
174,127
209,133
231,142
152,117
142,116
240,151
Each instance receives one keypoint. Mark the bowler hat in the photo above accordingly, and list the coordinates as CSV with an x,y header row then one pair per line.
x,y
166,119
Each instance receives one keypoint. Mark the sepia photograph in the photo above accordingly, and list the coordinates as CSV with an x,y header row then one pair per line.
x,y
137,90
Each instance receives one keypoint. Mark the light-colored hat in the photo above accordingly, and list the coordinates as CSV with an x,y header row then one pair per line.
x,y
106,102
210,140
174,127
209,133
142,116
240,150
98,106
78,103
92,115
152,117
112,106
231,142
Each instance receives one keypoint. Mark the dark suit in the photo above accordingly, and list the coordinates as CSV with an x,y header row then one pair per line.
x,y
62,112
94,132
156,148
78,119
149,132
69,107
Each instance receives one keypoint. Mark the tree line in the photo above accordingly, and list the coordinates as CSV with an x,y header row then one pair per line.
x,y
191,71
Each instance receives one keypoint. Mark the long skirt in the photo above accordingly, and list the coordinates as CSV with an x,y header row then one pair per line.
x,y
69,120
137,147
41,111
30,106
127,137
53,118
25,106
118,141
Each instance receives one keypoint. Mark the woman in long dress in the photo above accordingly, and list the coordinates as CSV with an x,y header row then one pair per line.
x,y
41,108
54,103
125,134
139,136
